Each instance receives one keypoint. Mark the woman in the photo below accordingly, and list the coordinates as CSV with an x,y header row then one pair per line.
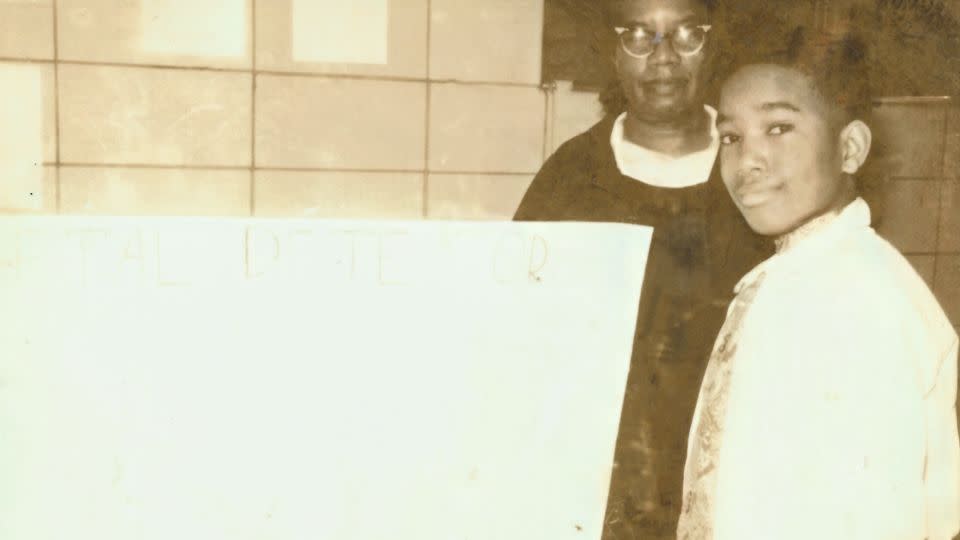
x,y
651,161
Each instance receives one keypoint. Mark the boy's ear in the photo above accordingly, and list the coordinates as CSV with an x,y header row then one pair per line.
x,y
855,141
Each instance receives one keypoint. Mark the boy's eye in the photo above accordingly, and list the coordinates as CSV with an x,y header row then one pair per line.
x,y
728,138
780,129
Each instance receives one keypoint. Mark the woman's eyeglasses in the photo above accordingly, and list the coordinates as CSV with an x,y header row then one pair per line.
x,y
686,40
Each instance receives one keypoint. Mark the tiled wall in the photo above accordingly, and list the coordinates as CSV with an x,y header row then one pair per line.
x,y
241,107
919,199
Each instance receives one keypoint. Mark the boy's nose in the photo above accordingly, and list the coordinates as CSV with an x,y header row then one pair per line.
x,y
753,160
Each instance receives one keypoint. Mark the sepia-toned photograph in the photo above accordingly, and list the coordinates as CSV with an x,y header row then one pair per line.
x,y
479,269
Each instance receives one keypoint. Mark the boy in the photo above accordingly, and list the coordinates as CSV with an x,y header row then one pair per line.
x,y
827,409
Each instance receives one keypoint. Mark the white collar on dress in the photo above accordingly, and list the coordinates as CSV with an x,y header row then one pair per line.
x,y
662,170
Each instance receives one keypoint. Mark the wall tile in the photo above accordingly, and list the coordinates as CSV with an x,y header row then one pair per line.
x,y
486,128
950,216
908,139
26,29
358,195
48,99
337,123
475,197
154,116
493,40
572,112
156,32
947,286
909,216
951,161
46,198
406,42
27,134
178,192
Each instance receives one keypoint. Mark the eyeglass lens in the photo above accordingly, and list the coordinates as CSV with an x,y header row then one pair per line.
x,y
685,40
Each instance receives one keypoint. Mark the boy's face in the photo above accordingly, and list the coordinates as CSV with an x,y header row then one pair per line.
x,y
780,157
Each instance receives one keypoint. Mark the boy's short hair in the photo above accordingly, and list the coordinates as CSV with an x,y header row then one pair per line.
x,y
837,65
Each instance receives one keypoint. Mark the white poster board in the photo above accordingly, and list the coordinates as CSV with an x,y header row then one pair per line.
x,y
249,379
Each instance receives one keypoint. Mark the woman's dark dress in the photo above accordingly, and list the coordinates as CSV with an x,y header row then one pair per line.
x,y
701,248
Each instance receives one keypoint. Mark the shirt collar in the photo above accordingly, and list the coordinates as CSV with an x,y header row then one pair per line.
x,y
810,237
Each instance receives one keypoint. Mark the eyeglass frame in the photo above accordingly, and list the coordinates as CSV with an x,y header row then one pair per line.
x,y
658,38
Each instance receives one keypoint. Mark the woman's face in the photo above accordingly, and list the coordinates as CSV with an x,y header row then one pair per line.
x,y
664,85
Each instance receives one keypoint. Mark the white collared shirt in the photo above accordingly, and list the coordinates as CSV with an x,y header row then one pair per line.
x,y
840,421
662,170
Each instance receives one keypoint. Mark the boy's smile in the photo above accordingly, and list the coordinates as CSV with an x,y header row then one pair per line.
x,y
781,156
